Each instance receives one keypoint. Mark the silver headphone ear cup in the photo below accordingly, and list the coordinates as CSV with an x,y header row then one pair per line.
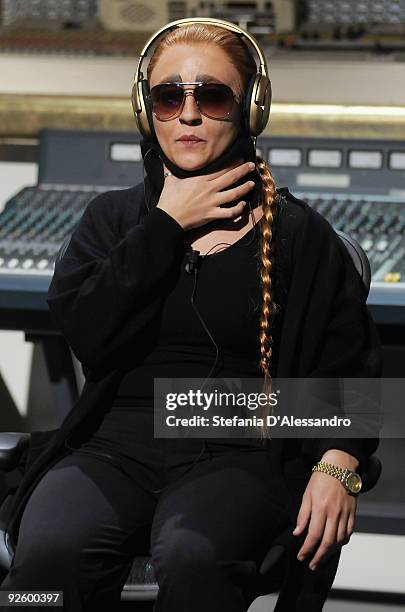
x,y
148,117
247,107
266,84
141,109
258,113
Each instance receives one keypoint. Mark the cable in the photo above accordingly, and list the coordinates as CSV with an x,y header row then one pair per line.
x,y
144,176
192,298
235,246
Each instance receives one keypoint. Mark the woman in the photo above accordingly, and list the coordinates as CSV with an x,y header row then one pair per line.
x,y
121,295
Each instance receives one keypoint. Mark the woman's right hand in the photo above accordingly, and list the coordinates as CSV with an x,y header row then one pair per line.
x,y
196,200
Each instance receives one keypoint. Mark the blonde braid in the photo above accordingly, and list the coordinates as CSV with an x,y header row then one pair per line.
x,y
269,201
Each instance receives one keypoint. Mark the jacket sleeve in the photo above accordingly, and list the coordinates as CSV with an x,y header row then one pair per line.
x,y
108,285
353,346
351,349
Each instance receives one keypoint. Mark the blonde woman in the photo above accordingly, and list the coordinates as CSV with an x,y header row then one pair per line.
x,y
106,488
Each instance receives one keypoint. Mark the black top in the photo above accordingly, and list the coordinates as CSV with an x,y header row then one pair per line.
x,y
228,298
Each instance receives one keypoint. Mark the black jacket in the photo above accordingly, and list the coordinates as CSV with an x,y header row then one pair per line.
x,y
107,290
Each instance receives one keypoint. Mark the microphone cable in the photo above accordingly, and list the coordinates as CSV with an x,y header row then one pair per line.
x,y
192,266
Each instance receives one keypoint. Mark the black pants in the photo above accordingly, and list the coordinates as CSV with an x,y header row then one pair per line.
x,y
87,519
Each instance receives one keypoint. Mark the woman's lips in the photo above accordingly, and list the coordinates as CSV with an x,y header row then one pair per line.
x,y
190,143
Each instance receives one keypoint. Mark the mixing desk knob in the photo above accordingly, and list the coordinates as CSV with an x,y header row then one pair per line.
x,y
367,244
381,245
13,262
27,263
43,263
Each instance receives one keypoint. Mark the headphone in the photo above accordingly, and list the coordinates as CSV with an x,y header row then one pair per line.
x,y
257,102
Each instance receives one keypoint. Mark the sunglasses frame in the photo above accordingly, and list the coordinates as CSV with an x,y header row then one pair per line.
x,y
191,92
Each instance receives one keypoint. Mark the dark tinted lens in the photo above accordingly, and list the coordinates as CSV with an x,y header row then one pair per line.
x,y
166,100
215,100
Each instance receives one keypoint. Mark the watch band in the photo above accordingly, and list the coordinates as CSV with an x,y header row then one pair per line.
x,y
340,473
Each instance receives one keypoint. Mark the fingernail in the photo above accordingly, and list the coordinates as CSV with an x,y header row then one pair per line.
x,y
301,557
252,165
313,567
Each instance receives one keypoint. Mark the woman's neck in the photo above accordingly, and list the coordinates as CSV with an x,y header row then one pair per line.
x,y
156,162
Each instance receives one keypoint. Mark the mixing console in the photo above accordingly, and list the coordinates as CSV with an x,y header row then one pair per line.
x,y
378,224
73,168
34,224
358,186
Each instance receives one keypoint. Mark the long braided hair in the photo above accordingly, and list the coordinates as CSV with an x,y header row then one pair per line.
x,y
242,59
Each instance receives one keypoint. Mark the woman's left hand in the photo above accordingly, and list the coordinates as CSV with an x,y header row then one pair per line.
x,y
331,511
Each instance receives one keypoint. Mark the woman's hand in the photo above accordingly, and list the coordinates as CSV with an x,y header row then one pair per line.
x,y
195,201
331,511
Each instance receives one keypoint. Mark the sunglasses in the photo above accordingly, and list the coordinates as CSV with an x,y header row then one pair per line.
x,y
214,100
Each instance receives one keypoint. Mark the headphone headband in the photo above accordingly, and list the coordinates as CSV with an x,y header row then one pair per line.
x,y
258,94
218,22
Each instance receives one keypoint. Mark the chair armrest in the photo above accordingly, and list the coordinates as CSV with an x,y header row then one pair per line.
x,y
12,447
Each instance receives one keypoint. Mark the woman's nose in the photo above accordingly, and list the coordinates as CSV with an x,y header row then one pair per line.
x,y
190,111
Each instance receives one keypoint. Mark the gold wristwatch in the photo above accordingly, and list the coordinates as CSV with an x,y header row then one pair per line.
x,y
349,479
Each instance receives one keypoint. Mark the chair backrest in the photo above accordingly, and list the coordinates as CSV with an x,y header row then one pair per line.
x,y
63,247
358,256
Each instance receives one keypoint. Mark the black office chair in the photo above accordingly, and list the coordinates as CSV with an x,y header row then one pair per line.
x,y
141,583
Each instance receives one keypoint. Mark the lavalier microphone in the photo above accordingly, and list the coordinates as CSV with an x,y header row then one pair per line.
x,y
193,261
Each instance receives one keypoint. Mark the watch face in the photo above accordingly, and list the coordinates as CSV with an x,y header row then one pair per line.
x,y
354,483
